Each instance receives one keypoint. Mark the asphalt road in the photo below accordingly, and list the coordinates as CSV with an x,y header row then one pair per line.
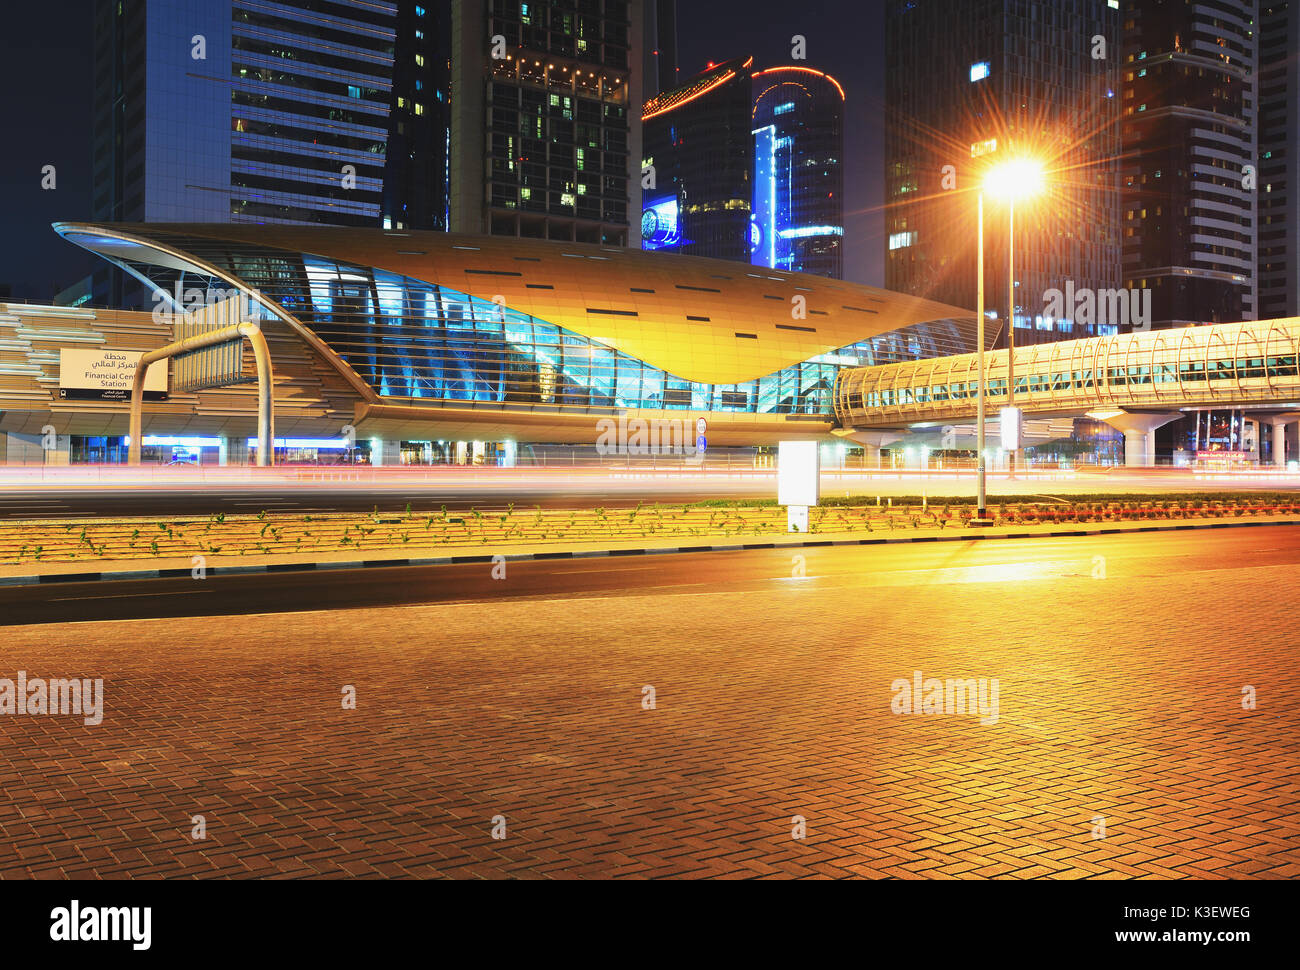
x,y
1127,558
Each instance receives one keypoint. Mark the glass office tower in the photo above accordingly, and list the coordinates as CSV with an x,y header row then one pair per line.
x,y
302,112
798,214
699,143
545,132
1189,131
1279,159
971,81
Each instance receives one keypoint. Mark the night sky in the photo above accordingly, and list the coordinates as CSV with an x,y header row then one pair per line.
x,y
45,105
45,77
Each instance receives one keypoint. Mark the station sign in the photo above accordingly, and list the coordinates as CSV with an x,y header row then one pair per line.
x,y
107,375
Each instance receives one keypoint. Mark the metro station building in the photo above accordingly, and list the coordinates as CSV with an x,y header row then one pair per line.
x,y
434,347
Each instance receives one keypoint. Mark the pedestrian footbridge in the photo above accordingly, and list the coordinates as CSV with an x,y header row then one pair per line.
x,y
1135,382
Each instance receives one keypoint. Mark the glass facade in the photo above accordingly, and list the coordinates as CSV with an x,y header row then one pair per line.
x,y
969,83
699,142
1279,159
545,146
798,221
325,112
1189,130
414,341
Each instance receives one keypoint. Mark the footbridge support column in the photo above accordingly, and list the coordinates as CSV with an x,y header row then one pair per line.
x,y
872,441
1139,430
1280,423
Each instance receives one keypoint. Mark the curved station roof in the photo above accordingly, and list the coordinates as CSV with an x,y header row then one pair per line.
x,y
564,323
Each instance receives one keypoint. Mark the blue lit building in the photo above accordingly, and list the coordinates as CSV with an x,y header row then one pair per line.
x,y
297,112
798,210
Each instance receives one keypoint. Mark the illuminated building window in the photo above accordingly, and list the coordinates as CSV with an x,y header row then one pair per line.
x,y
980,70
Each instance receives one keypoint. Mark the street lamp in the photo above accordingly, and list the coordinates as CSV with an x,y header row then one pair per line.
x,y
981,503
1014,179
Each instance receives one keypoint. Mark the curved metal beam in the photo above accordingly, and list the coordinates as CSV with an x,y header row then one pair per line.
x,y
265,387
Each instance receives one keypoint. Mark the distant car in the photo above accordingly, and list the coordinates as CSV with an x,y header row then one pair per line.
x,y
182,460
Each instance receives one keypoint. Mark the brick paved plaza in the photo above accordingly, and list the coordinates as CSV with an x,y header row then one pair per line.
x,y
1120,705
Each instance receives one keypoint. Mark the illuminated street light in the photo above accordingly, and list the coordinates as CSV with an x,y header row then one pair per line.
x,y
1012,180
1019,178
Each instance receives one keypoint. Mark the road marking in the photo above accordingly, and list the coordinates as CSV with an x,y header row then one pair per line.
x,y
127,596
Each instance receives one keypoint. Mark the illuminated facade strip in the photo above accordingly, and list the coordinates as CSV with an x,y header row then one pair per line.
x,y
806,70
672,100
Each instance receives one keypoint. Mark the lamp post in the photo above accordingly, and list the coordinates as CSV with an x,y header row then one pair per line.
x,y
1018,178
981,498
1011,328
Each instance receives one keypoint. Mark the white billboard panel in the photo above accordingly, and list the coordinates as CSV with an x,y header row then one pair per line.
x,y
798,473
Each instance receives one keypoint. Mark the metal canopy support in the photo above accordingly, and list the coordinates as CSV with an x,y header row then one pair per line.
x,y
265,390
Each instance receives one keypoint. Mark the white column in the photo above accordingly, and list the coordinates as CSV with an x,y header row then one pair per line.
x,y
232,451
1135,452
61,453
1284,436
23,449
1139,430
872,442
385,452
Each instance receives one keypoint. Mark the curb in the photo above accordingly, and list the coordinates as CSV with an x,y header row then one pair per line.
x,y
134,574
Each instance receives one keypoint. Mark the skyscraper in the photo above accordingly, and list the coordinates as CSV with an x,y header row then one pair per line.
x,y
661,70
1189,133
294,112
798,212
1278,186
417,190
969,82
545,131
699,147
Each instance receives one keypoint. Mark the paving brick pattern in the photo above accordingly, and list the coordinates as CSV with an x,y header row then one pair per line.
x,y
1120,704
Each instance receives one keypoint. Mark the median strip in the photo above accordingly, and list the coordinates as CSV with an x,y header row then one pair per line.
x,y
57,573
